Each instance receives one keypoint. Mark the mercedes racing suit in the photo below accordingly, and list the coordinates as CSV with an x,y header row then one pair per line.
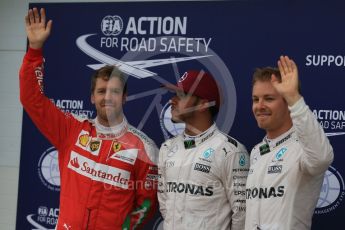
x,y
107,174
286,175
202,182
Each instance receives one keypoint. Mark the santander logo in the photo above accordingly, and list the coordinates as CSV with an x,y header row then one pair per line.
x,y
99,172
74,162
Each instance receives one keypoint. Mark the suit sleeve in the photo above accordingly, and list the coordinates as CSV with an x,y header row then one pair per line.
x,y
161,181
235,172
146,188
52,122
318,153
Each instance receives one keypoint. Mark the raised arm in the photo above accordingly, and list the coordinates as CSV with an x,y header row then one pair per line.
x,y
318,151
36,27
53,123
288,87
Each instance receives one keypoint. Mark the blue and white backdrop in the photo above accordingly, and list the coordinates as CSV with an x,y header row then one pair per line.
x,y
158,42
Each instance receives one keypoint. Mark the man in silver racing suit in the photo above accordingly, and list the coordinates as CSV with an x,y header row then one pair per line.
x,y
287,168
202,172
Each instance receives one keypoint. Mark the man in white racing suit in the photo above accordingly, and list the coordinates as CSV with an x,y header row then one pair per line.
x,y
202,172
287,168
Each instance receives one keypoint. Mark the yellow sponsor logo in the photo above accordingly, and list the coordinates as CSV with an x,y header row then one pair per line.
x,y
83,139
116,146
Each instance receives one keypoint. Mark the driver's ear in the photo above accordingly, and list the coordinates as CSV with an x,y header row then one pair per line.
x,y
204,104
124,98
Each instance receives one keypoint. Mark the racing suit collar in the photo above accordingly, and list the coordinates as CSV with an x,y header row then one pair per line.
x,y
116,131
193,141
272,143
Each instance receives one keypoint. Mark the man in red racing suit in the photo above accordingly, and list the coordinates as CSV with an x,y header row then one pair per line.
x,y
108,178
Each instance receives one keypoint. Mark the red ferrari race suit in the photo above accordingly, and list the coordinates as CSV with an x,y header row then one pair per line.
x,y
108,176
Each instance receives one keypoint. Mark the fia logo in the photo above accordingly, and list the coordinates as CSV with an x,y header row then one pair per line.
x,y
112,25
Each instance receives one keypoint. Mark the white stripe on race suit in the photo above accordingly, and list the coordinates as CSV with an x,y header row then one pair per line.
x,y
127,155
98,172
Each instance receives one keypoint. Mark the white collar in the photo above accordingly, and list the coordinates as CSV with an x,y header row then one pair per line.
x,y
116,131
193,141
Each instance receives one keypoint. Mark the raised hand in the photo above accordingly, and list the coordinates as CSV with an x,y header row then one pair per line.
x,y
37,29
288,87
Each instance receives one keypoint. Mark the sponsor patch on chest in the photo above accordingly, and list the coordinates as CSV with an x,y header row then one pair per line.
x,y
98,172
126,155
202,168
274,169
88,143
